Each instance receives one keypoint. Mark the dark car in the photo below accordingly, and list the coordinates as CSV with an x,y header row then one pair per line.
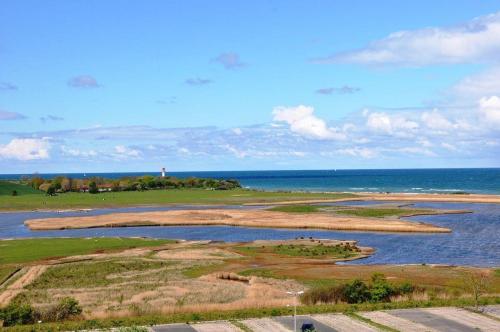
x,y
308,327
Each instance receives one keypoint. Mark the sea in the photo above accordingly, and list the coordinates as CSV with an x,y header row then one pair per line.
x,y
442,180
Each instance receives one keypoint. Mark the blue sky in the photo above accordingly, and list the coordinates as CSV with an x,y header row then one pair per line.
x,y
196,85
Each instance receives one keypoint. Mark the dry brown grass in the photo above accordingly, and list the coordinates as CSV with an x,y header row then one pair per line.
x,y
245,218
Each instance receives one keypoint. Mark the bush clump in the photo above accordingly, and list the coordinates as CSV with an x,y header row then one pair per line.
x,y
357,291
66,308
18,313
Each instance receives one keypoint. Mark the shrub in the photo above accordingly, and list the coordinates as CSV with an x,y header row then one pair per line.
x,y
14,192
405,288
356,292
381,290
67,307
332,294
17,313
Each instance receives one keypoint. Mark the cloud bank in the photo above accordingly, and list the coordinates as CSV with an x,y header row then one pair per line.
x,y
475,41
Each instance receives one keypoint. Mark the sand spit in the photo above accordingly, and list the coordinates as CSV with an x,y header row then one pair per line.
x,y
403,197
230,217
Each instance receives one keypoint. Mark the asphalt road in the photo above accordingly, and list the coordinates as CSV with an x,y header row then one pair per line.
x,y
405,320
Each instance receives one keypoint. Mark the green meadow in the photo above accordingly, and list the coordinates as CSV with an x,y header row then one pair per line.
x,y
8,187
30,199
30,250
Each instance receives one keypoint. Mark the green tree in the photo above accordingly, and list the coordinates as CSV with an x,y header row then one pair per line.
x,y
51,190
93,187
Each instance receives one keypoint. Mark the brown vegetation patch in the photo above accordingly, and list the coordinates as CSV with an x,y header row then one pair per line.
x,y
245,218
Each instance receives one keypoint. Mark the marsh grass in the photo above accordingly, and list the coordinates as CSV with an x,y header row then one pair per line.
x,y
361,211
199,270
260,272
296,208
379,212
318,251
300,250
92,274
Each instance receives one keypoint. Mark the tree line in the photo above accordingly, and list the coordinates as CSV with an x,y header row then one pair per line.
x,y
94,185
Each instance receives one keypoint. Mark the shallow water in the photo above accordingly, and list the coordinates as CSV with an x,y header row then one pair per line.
x,y
474,239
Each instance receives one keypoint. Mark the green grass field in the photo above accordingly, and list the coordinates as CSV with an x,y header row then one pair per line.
x,y
7,187
155,197
29,250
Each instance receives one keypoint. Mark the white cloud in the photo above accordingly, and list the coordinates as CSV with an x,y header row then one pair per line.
x,y
475,41
489,110
123,151
435,120
366,153
417,151
485,83
26,149
449,146
390,124
302,121
77,152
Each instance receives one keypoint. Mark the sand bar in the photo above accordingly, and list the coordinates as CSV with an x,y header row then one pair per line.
x,y
403,197
231,217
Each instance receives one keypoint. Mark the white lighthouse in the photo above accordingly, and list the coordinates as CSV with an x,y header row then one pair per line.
x,y
163,172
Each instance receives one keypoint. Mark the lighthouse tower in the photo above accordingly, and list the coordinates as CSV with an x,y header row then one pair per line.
x,y
163,172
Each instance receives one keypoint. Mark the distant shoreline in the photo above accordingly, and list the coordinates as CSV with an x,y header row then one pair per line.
x,y
262,198
423,180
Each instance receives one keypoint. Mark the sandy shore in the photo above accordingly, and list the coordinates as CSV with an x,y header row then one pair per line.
x,y
230,217
403,197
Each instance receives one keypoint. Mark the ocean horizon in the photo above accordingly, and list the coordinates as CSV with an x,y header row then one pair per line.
x,y
435,180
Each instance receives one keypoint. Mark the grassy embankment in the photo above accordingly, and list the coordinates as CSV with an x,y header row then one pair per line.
x,y
30,199
30,250
7,187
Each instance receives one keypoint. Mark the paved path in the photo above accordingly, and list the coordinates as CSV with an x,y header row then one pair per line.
x,y
405,320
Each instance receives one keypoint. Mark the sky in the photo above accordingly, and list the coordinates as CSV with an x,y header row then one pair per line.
x,y
116,86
